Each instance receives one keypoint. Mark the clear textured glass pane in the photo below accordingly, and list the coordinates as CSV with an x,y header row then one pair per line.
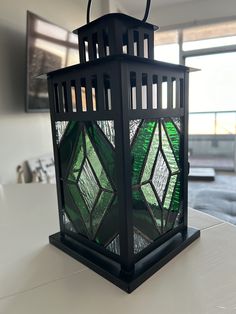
x,y
177,122
67,223
170,191
168,152
160,176
133,127
151,156
60,130
140,241
88,185
108,129
114,246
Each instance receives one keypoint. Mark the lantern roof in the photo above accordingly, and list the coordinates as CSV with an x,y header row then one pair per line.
x,y
131,22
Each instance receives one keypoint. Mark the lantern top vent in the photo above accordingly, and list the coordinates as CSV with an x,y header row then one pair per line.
x,y
115,34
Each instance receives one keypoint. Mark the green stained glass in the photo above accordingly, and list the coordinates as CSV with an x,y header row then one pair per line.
x,y
170,191
153,203
151,156
143,219
96,164
103,149
67,145
168,151
88,185
140,149
174,138
100,209
176,197
81,206
109,226
77,160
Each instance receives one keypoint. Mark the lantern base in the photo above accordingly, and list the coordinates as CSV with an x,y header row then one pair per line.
x,y
111,270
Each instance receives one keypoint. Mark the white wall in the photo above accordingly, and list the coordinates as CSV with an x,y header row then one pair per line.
x,y
194,12
23,136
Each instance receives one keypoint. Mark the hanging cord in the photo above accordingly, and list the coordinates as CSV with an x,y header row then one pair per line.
x,y
143,20
88,10
147,11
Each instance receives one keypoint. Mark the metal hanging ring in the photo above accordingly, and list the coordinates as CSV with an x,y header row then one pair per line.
x,y
143,20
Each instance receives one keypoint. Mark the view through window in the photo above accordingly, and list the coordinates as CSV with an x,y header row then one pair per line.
x,y
212,98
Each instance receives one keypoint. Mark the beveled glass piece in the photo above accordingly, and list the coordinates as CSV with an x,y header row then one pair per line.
x,y
107,127
60,130
160,176
133,127
88,185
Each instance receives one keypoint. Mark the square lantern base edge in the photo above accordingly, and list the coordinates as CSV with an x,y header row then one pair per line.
x,y
144,268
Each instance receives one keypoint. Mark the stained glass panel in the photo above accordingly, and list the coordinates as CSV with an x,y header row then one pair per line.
x,y
89,195
155,176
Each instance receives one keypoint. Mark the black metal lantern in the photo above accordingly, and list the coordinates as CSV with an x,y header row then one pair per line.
x,y
120,125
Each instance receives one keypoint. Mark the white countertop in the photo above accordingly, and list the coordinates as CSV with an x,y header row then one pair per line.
x,y
37,278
